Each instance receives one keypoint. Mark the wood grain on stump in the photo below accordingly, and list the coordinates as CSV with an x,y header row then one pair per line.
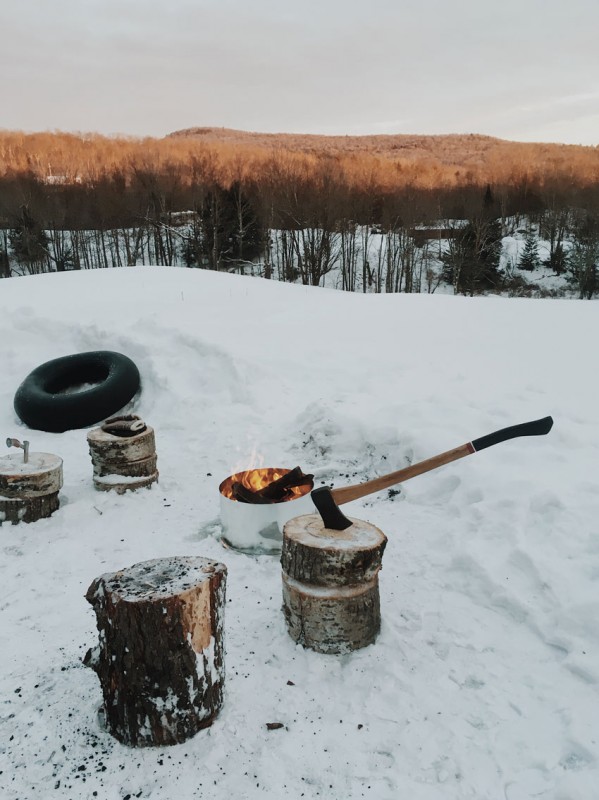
x,y
160,657
29,490
330,583
123,463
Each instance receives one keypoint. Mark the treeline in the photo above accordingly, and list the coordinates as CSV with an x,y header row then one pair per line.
x,y
385,161
73,202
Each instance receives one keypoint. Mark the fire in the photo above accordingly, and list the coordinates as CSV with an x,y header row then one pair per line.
x,y
256,479
249,463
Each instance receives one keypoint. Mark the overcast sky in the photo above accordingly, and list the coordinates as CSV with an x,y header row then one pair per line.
x,y
526,70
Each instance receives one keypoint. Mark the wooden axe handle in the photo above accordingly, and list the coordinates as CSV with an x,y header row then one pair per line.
x,y
537,427
346,494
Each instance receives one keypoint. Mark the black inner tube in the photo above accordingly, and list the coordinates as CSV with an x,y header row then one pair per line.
x,y
73,381
76,391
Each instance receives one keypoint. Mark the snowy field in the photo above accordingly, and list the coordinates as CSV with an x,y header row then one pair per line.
x,y
483,681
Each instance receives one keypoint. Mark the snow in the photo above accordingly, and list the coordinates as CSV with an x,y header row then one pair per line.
x,y
120,480
483,680
36,464
155,579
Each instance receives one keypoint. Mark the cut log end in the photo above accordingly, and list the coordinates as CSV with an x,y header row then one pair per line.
x,y
321,556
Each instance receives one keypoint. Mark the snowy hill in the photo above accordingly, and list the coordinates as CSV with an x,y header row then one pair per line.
x,y
483,681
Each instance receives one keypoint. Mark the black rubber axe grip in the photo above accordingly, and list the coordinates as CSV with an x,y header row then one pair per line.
x,y
537,427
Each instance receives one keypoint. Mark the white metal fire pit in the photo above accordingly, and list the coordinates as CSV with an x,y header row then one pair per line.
x,y
258,529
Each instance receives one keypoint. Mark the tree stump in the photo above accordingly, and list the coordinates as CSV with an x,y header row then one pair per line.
x,y
160,657
29,490
330,584
122,463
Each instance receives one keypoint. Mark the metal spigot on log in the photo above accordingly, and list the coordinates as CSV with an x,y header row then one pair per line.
x,y
29,487
23,445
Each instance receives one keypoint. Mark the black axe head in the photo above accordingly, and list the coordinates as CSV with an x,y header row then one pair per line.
x,y
328,509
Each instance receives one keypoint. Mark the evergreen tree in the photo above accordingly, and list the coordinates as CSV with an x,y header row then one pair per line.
x,y
248,234
188,253
472,259
488,199
529,260
191,248
558,260
4,261
583,268
233,232
217,222
583,258
29,242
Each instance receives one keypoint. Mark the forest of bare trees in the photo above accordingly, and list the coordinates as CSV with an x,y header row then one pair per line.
x,y
72,202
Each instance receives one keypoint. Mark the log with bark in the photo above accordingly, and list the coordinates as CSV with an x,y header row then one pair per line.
x,y
123,454
29,490
330,583
160,657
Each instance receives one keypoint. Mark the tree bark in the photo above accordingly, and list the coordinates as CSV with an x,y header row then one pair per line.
x,y
30,510
132,459
330,584
160,657
29,491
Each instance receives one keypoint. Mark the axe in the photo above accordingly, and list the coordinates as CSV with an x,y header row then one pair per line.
x,y
328,500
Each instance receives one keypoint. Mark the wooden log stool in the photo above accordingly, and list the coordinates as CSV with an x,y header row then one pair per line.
x,y
29,489
330,583
123,455
160,657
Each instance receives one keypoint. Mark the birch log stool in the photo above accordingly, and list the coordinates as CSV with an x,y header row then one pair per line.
x,y
330,583
160,657
123,462
29,489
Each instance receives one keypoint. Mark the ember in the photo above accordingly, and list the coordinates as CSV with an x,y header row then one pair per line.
x,y
268,485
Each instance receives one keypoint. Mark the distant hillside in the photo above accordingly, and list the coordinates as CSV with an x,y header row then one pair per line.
x,y
384,163
458,150
286,181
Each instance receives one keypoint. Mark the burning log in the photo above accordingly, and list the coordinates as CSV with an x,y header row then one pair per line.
x,y
160,657
244,495
277,491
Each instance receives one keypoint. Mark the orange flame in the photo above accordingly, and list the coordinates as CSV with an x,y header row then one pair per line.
x,y
256,479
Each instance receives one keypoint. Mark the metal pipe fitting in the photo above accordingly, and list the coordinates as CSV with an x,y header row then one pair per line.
x,y
23,445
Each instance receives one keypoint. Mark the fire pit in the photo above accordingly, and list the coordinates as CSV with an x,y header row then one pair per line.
x,y
256,504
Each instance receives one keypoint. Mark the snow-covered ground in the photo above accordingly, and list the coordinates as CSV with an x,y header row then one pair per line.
x,y
483,681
